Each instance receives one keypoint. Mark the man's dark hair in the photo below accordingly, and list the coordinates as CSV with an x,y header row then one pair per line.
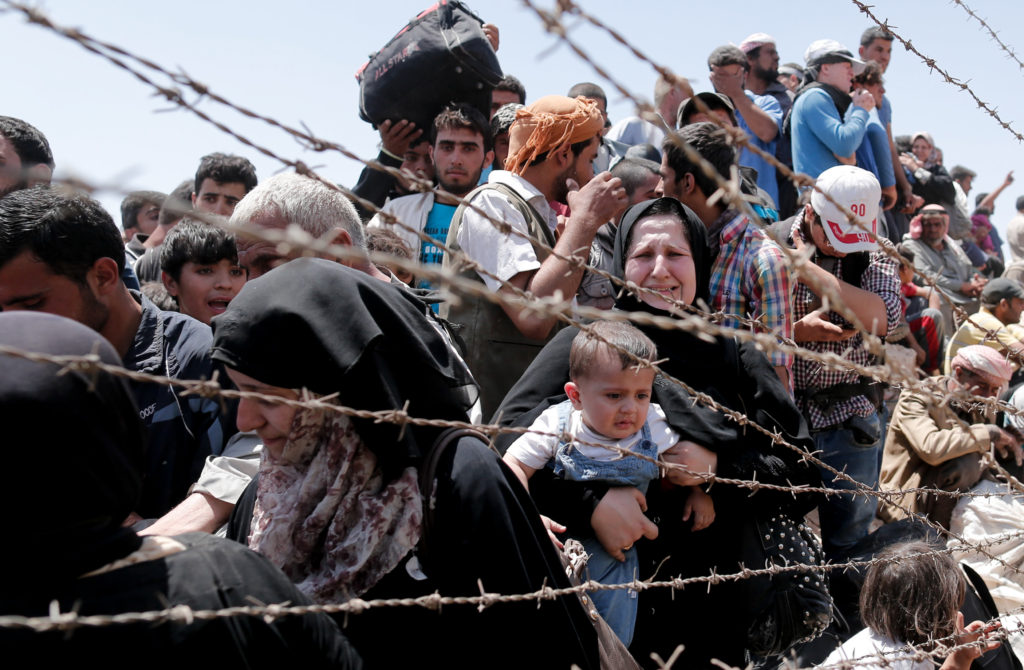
x,y
28,142
634,172
133,202
586,346
510,83
645,151
1020,204
875,33
225,169
903,143
577,149
177,203
588,90
504,118
958,172
727,54
710,142
459,116
68,231
197,242
157,293
871,75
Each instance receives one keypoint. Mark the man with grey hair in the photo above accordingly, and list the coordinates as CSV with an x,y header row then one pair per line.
x,y
279,202
294,200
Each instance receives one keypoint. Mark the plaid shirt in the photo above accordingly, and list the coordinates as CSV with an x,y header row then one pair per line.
x,y
881,278
749,278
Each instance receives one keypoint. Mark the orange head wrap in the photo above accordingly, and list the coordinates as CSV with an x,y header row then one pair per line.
x,y
548,124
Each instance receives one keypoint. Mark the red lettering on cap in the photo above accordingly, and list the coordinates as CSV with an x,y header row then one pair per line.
x,y
854,236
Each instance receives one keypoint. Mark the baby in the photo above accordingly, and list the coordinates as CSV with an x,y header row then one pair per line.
x,y
609,404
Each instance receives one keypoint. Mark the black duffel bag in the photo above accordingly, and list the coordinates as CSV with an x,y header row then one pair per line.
x,y
442,56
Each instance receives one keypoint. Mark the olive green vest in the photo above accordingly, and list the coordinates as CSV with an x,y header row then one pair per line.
x,y
496,352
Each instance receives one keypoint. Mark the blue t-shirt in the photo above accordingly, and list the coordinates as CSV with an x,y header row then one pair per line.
x,y
438,222
765,170
885,112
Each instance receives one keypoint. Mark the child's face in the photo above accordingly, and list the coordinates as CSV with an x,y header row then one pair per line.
x,y
204,291
614,401
906,274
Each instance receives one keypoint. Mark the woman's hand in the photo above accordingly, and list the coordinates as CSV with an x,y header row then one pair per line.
x,y
695,458
618,520
962,658
553,527
910,162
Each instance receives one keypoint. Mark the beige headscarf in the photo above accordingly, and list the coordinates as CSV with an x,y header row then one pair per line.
x,y
548,124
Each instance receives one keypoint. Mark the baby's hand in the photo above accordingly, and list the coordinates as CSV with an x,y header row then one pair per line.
x,y
701,507
553,527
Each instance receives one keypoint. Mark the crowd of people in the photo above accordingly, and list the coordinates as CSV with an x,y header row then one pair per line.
x,y
312,486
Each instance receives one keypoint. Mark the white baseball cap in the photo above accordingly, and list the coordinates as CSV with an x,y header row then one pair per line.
x,y
859,193
821,52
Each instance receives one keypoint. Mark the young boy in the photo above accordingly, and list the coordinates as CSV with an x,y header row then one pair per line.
x,y
199,267
609,404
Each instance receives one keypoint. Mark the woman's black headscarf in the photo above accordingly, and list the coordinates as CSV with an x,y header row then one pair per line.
x,y
319,325
695,233
73,457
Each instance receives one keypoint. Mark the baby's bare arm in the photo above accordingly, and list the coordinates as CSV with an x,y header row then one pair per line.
x,y
523,472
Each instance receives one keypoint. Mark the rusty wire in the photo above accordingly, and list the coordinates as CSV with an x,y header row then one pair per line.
x,y
210,388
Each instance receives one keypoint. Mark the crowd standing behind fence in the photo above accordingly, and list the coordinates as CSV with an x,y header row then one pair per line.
x,y
719,310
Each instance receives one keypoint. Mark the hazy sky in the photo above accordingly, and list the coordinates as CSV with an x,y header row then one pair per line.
x,y
296,62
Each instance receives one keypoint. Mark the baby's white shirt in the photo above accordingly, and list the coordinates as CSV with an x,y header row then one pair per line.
x,y
534,451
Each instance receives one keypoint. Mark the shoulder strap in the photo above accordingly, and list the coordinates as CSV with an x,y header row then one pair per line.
x,y
428,479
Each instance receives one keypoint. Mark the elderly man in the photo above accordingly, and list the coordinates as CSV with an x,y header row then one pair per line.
x,y
996,324
941,259
944,445
284,200
551,146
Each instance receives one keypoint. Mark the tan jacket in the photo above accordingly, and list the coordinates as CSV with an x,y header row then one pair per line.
x,y
928,444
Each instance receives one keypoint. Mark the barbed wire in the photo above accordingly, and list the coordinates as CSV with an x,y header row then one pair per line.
x,y
574,262
729,189
932,65
704,398
211,388
1010,53
69,621
90,365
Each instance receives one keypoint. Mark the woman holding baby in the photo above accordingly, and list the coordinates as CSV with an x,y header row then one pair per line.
x,y
661,252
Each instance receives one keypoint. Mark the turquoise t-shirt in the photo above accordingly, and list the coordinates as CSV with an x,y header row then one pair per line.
x,y
438,222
